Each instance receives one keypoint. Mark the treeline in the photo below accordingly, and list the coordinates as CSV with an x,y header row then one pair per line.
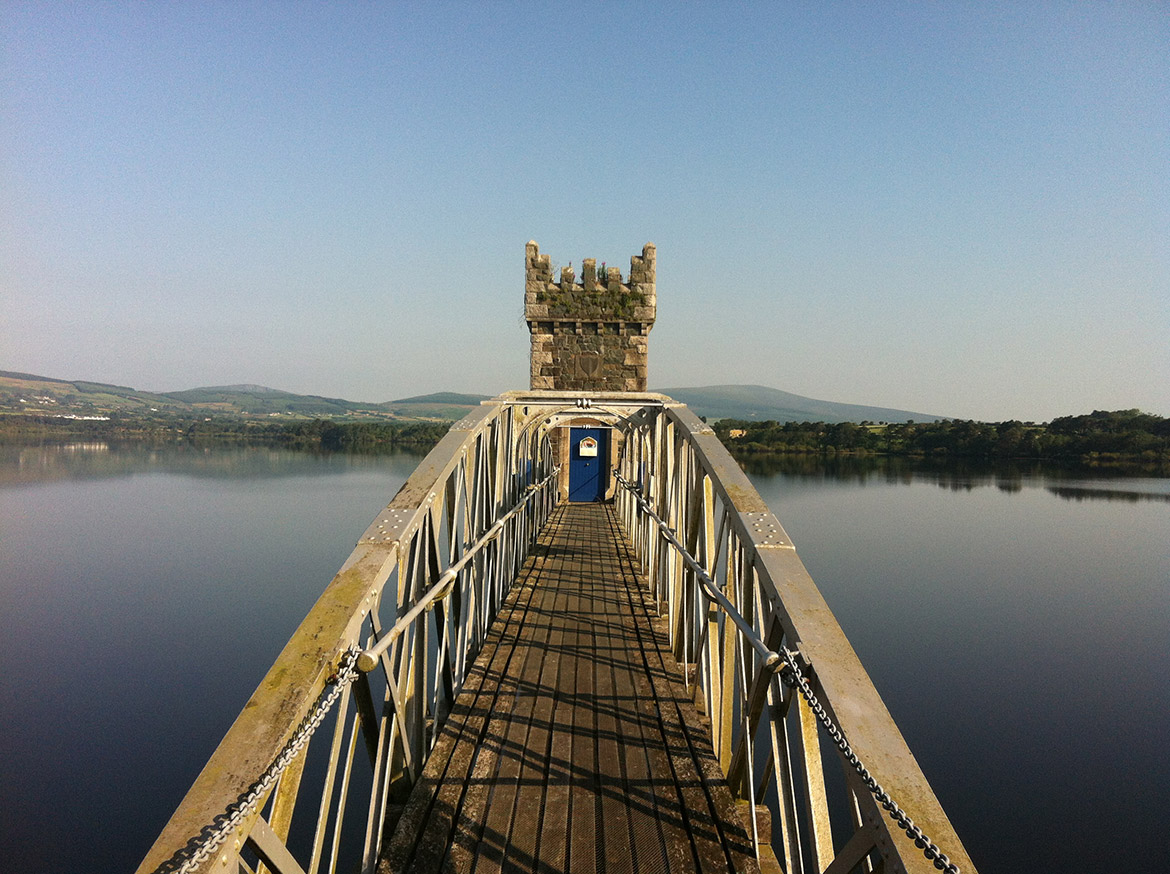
x,y
320,434
364,436
1098,437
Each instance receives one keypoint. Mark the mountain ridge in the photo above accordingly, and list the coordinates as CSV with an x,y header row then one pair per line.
x,y
30,393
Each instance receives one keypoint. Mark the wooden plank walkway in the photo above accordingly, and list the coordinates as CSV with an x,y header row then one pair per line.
x,y
572,747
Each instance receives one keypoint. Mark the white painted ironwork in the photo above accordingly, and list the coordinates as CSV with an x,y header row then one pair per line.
x,y
417,594
786,664
424,583
735,594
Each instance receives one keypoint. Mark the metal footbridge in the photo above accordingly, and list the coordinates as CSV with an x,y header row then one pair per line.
x,y
575,641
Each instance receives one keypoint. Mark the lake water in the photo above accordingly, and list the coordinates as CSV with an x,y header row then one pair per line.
x,y
1017,624
1014,620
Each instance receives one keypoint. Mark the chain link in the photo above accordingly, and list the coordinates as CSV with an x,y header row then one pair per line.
x,y
204,845
791,676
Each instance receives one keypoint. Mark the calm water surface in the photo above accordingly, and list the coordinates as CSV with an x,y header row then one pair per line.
x,y
144,596
1017,624
1015,621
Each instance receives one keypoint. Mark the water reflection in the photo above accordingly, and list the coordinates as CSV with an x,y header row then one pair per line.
x,y
161,582
965,475
1015,622
1019,608
29,465
1100,493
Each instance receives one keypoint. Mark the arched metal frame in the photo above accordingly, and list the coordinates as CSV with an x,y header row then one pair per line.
x,y
765,735
480,476
426,580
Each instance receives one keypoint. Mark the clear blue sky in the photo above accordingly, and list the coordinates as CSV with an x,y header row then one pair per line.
x,y
954,208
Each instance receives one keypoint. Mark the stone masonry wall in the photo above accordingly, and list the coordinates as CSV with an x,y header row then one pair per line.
x,y
591,335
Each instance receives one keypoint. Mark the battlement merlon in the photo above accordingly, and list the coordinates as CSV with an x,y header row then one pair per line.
x,y
596,297
590,335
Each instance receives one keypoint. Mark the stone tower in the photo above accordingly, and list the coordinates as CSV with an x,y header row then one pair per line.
x,y
592,335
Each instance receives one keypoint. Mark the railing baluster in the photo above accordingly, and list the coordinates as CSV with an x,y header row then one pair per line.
x,y
343,795
785,782
269,846
327,788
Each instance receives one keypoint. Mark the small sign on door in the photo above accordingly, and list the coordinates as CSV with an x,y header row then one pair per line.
x,y
588,448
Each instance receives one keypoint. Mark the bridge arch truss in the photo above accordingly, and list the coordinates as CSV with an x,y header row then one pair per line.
x,y
427,578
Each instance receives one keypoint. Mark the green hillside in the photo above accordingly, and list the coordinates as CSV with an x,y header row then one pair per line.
x,y
42,395
449,398
446,405
28,393
260,400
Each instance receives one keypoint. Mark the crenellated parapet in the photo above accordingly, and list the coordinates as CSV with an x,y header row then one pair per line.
x,y
597,295
589,335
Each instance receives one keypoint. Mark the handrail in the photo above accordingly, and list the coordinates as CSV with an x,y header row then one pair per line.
x,y
422,586
368,658
771,658
417,594
716,542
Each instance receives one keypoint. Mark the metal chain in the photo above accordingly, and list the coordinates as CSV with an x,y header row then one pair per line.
x,y
791,676
203,846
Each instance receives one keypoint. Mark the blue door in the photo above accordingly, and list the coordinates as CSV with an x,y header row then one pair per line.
x,y
588,456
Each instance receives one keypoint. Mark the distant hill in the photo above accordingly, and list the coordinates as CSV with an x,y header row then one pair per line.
x,y
760,403
28,393
248,388
440,405
29,377
261,400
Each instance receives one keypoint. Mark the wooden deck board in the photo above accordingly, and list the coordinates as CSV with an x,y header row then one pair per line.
x,y
572,746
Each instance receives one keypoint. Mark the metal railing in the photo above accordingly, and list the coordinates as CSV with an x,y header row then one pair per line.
x,y
297,787
416,598
727,578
